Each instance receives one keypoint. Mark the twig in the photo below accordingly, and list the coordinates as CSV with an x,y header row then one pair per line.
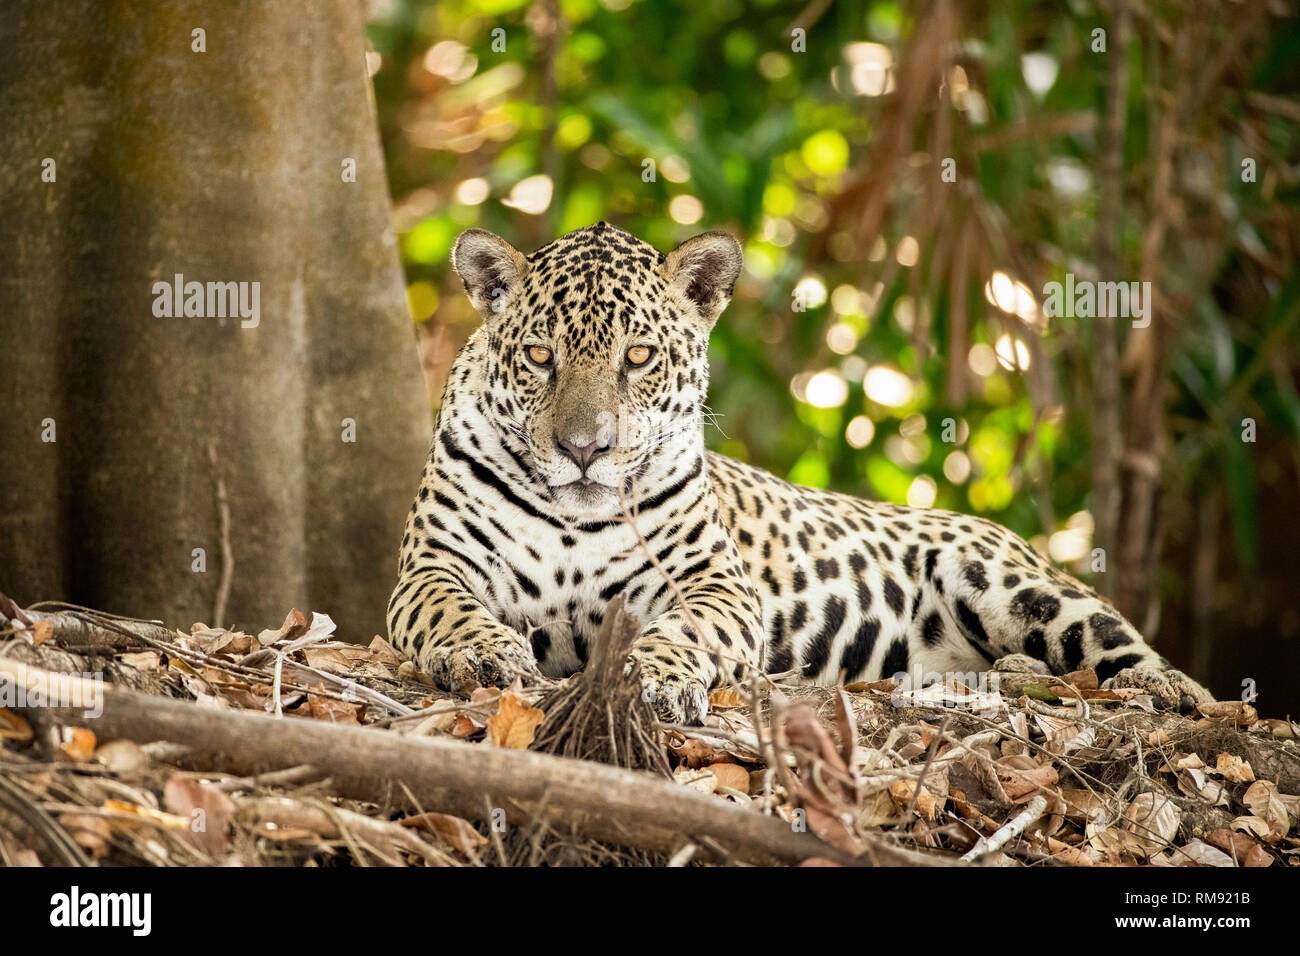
x,y
1008,831
227,549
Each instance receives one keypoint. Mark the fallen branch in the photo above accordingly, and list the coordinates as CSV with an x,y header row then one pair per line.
x,y
1008,831
603,803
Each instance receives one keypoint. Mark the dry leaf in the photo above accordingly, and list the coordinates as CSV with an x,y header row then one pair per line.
x,y
878,809
332,711
294,627
1094,693
408,671
1021,776
1158,738
142,660
1081,680
1253,825
91,833
1153,819
1232,767
384,653
77,744
122,757
1264,802
13,726
702,780
731,775
1234,711
204,809
1110,843
1236,845
1083,805
514,723
1200,853
1195,783
888,685
1258,857
209,640
454,831
333,660
41,632
722,697
464,727
1282,729
900,791
1071,855
694,753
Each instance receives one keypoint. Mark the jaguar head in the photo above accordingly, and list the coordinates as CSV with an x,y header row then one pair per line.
x,y
597,370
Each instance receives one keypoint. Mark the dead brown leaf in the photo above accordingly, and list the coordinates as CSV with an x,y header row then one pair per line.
x,y
1153,819
731,775
41,632
1022,776
13,726
1264,802
1081,680
77,743
1236,845
888,685
703,779
1232,711
205,811
514,723
721,698
1083,805
464,727
92,833
456,832
1233,768
142,660
384,653
122,757
901,791
693,753
294,627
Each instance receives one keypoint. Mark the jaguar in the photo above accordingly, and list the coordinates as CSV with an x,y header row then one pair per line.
x,y
568,467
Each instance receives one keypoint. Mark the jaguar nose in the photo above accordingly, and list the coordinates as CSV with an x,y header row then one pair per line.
x,y
581,455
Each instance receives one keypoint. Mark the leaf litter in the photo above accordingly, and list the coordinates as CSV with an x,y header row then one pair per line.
x,y
1044,772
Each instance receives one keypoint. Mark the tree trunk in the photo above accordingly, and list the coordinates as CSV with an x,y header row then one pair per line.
x,y
1106,423
223,166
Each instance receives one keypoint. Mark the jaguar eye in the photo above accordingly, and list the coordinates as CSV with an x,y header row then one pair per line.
x,y
639,355
539,355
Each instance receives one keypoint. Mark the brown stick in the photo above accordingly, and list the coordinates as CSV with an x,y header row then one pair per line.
x,y
604,803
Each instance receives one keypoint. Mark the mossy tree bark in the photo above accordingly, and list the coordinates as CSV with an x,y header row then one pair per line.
x,y
225,165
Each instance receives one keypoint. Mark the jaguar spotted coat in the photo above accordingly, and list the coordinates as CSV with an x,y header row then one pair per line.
x,y
568,466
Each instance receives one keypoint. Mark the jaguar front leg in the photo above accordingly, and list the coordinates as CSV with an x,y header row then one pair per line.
x,y
715,636
435,618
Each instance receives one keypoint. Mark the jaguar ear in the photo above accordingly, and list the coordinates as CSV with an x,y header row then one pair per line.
x,y
704,269
490,267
